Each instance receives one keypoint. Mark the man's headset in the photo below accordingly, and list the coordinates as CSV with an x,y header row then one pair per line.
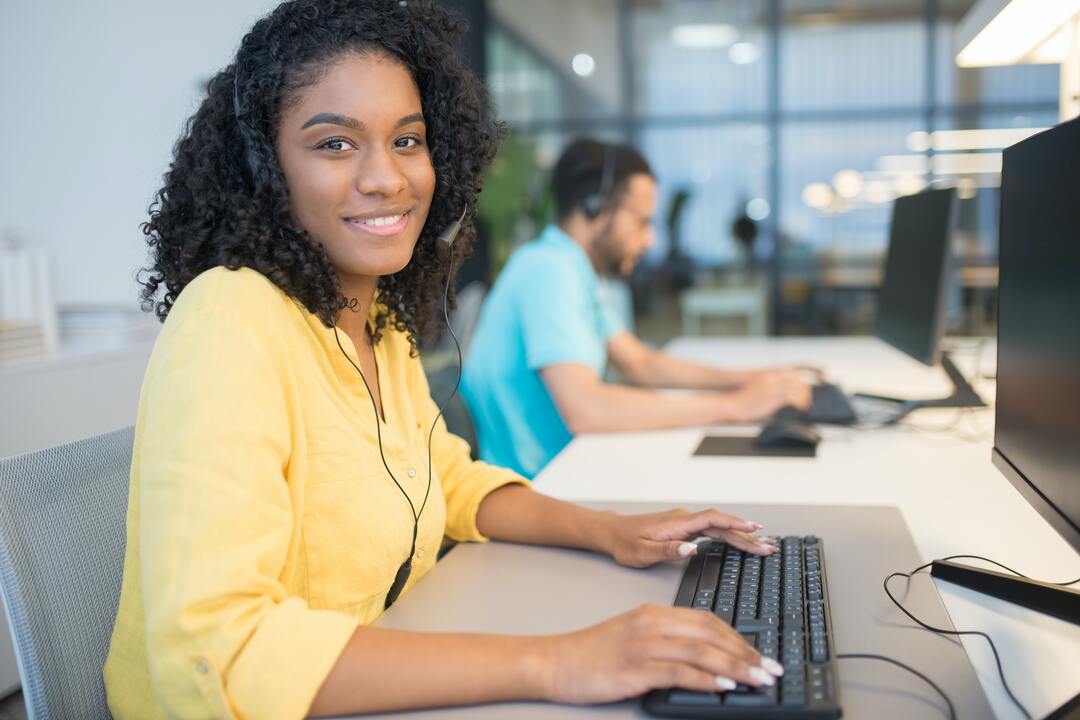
x,y
445,238
593,204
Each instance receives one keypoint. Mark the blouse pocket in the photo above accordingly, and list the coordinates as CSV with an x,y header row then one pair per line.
x,y
356,532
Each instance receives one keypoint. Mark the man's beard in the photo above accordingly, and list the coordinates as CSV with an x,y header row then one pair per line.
x,y
613,262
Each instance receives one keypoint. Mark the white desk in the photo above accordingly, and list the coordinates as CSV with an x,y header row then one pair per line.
x,y
952,498
750,301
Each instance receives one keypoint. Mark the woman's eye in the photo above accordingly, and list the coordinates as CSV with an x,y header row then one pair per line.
x,y
407,142
335,145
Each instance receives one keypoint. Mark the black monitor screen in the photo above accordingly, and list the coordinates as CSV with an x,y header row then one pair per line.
x,y
1038,393
911,310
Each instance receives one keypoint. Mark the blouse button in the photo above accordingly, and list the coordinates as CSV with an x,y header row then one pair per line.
x,y
202,667
412,472
420,552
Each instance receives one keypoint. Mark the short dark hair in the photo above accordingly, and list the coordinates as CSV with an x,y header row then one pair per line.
x,y
216,210
579,174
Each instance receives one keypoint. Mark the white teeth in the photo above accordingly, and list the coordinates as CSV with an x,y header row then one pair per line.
x,y
379,222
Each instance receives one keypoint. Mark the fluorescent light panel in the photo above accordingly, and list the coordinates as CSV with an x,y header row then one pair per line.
x,y
704,35
1006,32
978,139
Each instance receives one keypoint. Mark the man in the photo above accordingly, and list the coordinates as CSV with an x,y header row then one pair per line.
x,y
534,374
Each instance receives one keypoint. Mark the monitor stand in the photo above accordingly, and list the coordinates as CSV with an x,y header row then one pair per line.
x,y
962,396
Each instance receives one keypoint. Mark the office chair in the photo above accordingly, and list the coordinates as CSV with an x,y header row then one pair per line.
x,y
442,372
470,301
62,530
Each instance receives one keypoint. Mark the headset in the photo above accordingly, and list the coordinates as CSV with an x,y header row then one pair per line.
x,y
593,203
249,156
445,238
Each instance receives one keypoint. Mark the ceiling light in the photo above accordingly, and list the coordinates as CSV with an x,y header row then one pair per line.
x,y
966,163
583,64
758,209
909,184
848,184
918,141
984,139
903,164
1006,32
704,35
817,195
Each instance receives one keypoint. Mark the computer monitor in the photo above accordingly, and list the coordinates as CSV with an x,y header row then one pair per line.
x,y
911,308
1037,430
914,292
1037,433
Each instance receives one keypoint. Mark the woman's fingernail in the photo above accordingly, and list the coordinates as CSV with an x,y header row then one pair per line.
x,y
762,677
757,525
686,549
725,683
772,666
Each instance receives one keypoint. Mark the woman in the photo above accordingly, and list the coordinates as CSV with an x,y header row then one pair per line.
x,y
282,488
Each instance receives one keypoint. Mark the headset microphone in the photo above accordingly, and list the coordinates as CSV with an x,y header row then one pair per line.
x,y
447,236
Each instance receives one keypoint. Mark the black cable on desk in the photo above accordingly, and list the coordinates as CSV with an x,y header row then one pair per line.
x,y
913,671
944,631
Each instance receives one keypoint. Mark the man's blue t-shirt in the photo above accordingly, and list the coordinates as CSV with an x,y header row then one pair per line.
x,y
543,310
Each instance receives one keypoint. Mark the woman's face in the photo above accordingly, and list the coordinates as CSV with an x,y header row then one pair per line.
x,y
354,152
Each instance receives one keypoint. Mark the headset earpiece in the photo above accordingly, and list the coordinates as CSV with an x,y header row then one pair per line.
x,y
593,204
249,156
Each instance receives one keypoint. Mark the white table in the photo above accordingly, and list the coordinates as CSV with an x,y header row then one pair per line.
x,y
952,498
749,301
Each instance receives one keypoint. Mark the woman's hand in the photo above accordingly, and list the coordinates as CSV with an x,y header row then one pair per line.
x,y
643,540
652,647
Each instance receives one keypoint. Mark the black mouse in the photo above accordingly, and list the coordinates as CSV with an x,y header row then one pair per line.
x,y
787,433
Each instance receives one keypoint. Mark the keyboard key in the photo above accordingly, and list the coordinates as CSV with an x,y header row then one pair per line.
x,y
754,697
689,697
755,624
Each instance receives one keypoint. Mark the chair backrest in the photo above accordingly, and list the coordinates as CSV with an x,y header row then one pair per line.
x,y
441,378
62,532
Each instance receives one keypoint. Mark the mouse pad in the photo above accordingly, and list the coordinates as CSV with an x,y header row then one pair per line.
x,y
743,446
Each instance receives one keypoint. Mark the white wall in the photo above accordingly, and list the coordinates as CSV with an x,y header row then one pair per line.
x,y
93,94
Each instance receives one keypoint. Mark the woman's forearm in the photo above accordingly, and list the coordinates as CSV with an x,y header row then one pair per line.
x,y
382,670
519,514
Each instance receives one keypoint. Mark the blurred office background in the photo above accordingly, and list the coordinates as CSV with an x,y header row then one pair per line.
x,y
779,130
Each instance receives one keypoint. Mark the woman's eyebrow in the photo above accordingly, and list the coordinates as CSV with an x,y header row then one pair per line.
x,y
334,119
351,122
415,117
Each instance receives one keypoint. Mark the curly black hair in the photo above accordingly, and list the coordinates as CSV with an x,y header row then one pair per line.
x,y
225,201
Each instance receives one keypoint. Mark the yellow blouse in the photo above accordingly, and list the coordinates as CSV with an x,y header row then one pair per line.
x,y
262,526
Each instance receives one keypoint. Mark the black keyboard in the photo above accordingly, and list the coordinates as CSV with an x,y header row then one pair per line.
x,y
780,605
829,405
